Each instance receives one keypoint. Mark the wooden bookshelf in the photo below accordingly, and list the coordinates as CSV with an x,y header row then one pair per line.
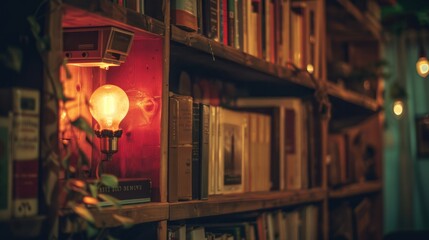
x,y
220,56
180,50
226,204
352,97
356,189
373,26
82,13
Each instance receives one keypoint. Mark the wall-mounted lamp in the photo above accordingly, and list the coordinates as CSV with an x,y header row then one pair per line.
x,y
398,108
109,105
422,65
398,94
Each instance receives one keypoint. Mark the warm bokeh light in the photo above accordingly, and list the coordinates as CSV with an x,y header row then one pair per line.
x,y
422,66
398,108
310,68
90,200
109,105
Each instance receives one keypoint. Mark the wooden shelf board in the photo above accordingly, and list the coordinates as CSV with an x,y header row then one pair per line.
x,y
83,13
226,204
215,51
140,213
352,97
356,189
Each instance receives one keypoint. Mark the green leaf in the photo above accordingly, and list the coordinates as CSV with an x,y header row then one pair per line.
x,y
125,221
83,158
34,25
110,199
91,231
111,237
93,189
83,212
65,162
90,142
80,190
66,68
109,180
83,125
12,58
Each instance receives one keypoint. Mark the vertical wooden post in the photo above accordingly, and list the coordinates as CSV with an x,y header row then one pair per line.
x,y
49,126
162,226
164,113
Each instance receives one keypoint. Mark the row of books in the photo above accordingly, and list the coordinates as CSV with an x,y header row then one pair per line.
x,y
351,157
209,150
262,145
146,7
19,152
301,223
352,220
279,31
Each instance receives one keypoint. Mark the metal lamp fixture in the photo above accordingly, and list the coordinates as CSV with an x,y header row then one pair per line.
x,y
109,106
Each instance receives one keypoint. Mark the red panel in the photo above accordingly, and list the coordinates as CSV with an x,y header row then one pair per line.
x,y
141,78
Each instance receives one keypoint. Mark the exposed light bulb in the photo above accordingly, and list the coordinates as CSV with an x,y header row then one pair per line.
x,y
398,107
109,106
422,66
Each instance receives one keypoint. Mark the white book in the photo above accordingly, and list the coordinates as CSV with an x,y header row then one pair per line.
x,y
291,128
232,127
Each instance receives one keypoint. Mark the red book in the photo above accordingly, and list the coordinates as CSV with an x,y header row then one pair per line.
x,y
184,14
225,21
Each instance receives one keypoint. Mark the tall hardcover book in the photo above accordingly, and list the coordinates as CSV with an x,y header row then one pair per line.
x,y
196,148
25,105
214,187
289,130
204,150
274,155
180,148
232,127
184,14
200,151
5,167
210,19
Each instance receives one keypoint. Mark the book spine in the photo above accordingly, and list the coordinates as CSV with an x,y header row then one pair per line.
x,y
231,22
5,168
180,148
196,149
200,16
204,150
129,191
210,20
25,152
224,10
184,14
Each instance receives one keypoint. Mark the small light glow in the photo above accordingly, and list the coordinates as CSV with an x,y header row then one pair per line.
x,y
310,68
398,108
422,67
